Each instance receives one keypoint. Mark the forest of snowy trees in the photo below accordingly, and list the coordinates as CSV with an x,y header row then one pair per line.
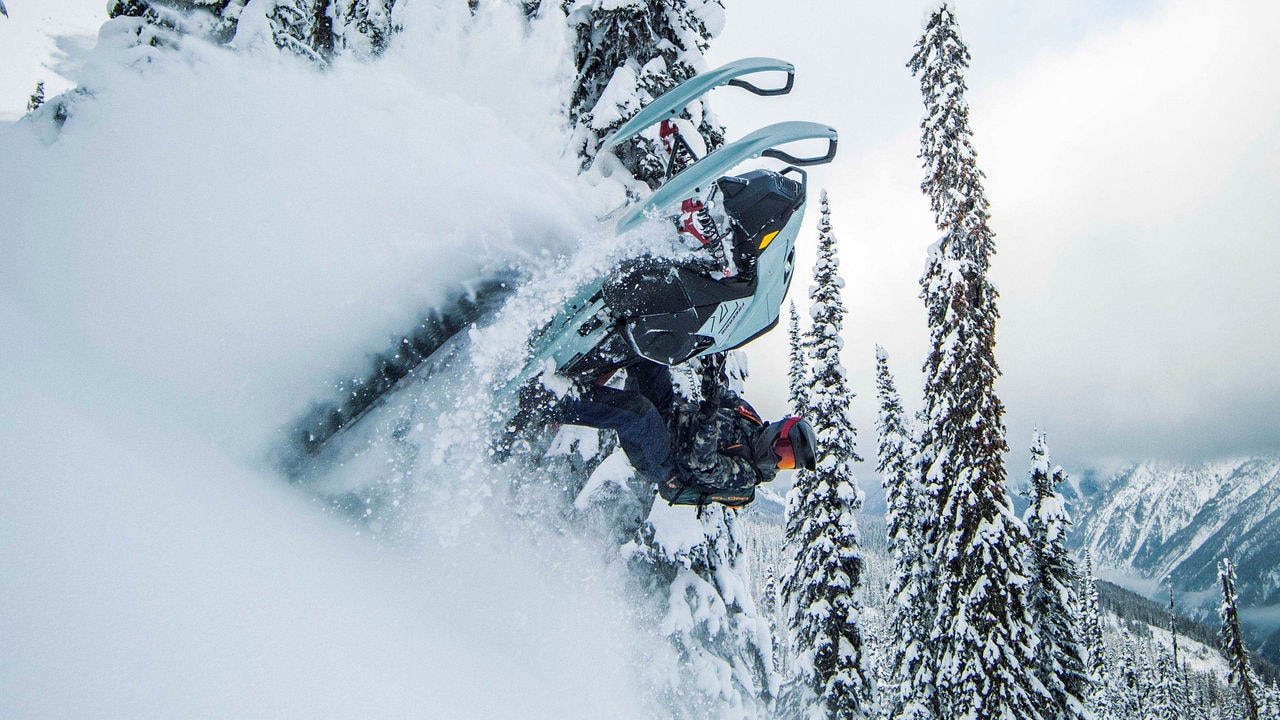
x,y
953,605
970,611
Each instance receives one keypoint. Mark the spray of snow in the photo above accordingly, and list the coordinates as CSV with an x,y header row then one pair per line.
x,y
209,242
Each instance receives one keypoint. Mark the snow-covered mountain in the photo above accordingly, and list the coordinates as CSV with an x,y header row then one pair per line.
x,y
1151,521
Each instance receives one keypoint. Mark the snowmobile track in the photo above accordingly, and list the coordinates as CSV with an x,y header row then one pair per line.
x,y
360,394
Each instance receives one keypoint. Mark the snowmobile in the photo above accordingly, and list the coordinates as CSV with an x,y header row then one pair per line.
x,y
672,313
654,310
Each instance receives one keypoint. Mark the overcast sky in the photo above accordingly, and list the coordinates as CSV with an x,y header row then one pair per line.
x,y
1132,153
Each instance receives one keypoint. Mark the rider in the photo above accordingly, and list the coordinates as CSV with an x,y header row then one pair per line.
x,y
714,451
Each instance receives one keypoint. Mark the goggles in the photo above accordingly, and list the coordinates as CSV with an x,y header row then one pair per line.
x,y
782,446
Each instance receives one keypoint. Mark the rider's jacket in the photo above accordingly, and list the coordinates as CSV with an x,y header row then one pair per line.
x,y
713,449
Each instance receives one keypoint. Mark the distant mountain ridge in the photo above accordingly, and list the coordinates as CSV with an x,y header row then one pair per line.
x,y
1164,520
1142,617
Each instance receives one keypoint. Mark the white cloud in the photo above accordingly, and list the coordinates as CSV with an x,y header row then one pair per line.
x,y
1132,171
1133,184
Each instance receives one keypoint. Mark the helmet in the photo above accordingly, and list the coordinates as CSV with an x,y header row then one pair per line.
x,y
786,444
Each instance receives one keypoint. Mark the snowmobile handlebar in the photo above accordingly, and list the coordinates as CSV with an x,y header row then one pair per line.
x,y
804,178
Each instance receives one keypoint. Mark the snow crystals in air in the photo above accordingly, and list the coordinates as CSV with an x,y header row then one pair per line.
x,y
210,242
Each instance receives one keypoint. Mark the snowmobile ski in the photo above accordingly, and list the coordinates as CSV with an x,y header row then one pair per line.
x,y
674,101
761,143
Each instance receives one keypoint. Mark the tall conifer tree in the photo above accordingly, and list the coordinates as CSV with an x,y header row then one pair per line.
x,y
1242,675
1062,663
983,643
909,584
770,610
823,586
797,368
1091,620
798,381
1163,702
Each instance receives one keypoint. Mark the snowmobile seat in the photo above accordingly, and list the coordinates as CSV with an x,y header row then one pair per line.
x,y
651,287
671,312
759,204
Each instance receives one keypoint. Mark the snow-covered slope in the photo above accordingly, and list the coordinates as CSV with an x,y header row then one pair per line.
x,y
1157,520
206,245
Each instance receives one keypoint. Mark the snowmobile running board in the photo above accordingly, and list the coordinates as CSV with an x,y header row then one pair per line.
x,y
674,101
761,143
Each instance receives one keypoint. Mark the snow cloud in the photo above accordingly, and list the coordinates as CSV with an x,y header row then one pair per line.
x,y
207,245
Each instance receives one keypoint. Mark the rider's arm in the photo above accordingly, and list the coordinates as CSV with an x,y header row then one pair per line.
x,y
714,468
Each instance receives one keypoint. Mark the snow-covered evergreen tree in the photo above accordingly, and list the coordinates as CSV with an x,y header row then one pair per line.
x,y
832,678
1091,619
531,8
689,573
797,368
771,613
1121,699
1242,675
1272,707
304,27
37,98
909,585
314,29
983,642
1163,701
1062,664
365,27
628,53
161,22
798,381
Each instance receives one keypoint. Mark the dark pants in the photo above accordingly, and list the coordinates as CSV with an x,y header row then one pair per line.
x,y
636,413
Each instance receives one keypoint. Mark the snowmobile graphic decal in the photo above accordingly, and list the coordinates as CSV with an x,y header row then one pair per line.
x,y
722,319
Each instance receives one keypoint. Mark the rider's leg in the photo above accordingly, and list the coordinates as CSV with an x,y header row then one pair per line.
x,y
653,381
642,432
